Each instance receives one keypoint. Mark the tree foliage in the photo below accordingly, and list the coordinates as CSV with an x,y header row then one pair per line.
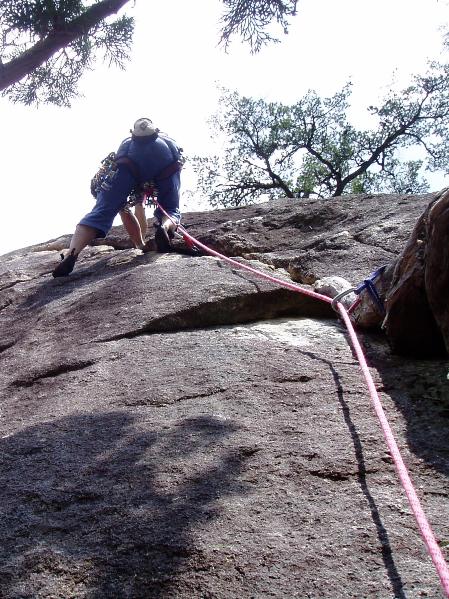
x,y
270,149
47,45
250,19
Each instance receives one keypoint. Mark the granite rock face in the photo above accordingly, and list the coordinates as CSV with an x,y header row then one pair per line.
x,y
173,426
419,289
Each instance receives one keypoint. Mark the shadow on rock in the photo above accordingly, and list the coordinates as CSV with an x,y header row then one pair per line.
x,y
381,531
93,506
420,389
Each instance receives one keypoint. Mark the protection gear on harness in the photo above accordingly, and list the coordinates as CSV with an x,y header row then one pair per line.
x,y
144,194
105,172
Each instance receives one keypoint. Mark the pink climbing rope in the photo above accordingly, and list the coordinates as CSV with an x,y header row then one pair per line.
x,y
423,525
420,517
259,273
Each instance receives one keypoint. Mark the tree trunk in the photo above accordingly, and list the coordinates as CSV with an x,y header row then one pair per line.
x,y
19,67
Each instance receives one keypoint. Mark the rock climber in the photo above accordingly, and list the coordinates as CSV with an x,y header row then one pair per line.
x,y
147,157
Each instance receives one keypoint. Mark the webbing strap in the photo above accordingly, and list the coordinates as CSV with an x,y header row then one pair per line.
x,y
370,287
165,173
168,171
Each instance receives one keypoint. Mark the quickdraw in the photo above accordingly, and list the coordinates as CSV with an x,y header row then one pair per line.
x,y
370,287
146,194
105,171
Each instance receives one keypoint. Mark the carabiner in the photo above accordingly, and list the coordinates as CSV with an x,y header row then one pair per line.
x,y
340,296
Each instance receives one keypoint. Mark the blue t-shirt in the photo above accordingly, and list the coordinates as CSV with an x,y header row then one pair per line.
x,y
151,154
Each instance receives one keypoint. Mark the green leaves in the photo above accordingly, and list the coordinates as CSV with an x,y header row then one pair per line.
x,y
47,45
40,38
250,18
24,22
310,147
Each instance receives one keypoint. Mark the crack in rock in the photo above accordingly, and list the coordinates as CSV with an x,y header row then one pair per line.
x,y
12,284
52,372
164,403
331,475
337,476
373,245
303,378
5,346
267,305
6,304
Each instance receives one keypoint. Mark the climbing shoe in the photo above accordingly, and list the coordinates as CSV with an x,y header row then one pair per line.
x,y
162,240
189,251
148,247
66,265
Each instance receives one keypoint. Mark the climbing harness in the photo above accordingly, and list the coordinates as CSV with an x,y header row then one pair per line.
x,y
144,194
401,469
370,287
101,180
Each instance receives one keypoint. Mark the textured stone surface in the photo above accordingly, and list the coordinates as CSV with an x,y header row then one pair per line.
x,y
417,321
175,427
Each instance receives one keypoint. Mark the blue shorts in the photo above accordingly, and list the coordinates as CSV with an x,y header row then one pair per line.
x,y
110,200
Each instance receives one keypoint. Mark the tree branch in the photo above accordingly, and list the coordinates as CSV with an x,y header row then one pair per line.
x,y
387,143
422,142
19,67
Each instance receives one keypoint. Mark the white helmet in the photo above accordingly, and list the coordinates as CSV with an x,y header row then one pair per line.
x,y
143,128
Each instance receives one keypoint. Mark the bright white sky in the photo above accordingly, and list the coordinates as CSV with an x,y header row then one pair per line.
x,y
48,155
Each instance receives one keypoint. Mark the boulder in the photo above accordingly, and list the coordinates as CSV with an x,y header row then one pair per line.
x,y
417,319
